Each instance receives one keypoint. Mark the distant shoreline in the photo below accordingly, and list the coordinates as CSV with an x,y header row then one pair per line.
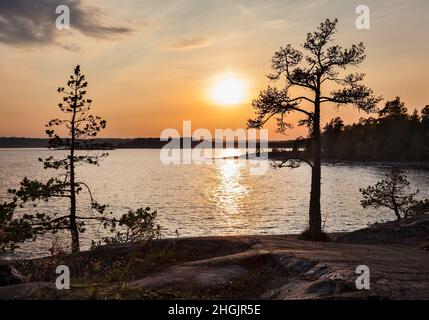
x,y
125,143
424,165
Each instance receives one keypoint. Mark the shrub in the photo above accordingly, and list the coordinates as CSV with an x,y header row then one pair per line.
x,y
393,192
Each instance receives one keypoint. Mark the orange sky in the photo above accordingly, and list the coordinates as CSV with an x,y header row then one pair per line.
x,y
152,64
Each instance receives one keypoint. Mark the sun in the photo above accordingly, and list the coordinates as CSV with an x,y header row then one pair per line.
x,y
228,90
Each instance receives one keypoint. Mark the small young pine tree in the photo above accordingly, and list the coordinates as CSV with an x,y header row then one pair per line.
x,y
393,192
81,128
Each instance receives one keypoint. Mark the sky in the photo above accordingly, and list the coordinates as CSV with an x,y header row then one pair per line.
x,y
152,64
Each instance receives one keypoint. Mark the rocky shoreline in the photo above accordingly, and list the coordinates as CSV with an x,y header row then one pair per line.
x,y
244,267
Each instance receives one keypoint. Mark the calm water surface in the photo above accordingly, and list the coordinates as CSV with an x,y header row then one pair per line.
x,y
221,198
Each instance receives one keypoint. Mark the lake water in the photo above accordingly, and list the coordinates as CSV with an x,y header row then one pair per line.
x,y
221,198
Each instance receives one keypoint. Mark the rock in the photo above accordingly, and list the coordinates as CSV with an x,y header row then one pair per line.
x,y
324,286
195,277
395,232
9,275
26,291
317,271
292,265
248,267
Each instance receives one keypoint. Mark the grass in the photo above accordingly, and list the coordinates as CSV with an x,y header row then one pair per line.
x,y
107,279
307,236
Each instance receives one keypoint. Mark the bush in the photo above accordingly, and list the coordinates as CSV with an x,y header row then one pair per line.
x,y
12,231
394,193
136,226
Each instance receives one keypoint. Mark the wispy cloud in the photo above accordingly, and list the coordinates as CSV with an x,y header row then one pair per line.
x,y
276,24
190,43
30,22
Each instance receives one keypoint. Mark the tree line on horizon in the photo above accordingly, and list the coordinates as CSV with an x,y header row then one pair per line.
x,y
394,135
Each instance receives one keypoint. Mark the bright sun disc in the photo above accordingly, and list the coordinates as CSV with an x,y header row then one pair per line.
x,y
229,91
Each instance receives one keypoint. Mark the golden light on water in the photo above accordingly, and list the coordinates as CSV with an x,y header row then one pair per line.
x,y
230,191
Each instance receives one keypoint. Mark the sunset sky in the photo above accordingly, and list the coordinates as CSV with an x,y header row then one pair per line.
x,y
152,64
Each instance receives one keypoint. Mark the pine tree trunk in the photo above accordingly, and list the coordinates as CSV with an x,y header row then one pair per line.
x,y
395,208
315,217
73,225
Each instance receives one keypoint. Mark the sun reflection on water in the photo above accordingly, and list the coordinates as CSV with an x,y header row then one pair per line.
x,y
230,190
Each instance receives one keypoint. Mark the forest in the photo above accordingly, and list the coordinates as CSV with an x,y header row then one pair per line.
x,y
394,135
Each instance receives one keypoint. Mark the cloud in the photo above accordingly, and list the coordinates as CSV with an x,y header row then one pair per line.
x,y
191,43
32,22
275,24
